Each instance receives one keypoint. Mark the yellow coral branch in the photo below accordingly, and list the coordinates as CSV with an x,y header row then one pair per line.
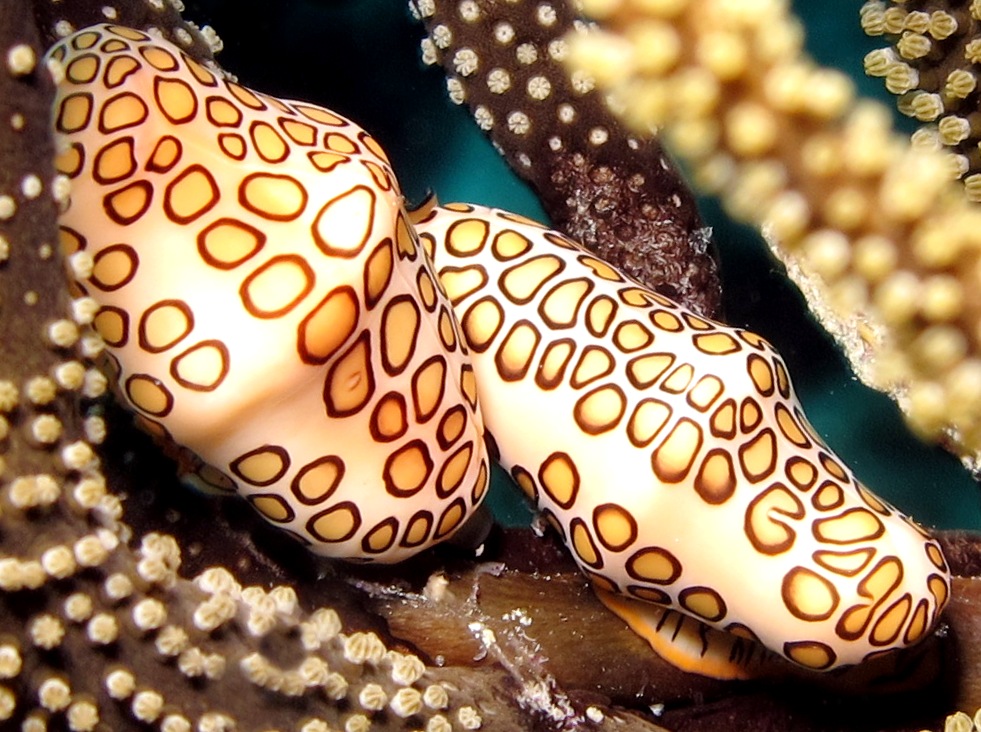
x,y
882,241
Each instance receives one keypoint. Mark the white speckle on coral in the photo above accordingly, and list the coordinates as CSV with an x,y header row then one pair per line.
x,y
504,33
147,706
406,669
63,333
149,614
582,82
8,207
595,715
546,15
21,59
54,694
81,264
59,562
82,716
469,718
469,11
102,629
120,684
424,8
70,375
89,491
498,81
56,70
61,188
91,345
9,395
211,37
41,390
314,671
215,722
30,186
406,702
183,37
357,723
362,648
95,384
172,641
456,91
8,704
84,310
46,429
483,117
118,586
598,136
442,37
78,607
30,491
79,456
519,123
319,628
566,113
438,723
63,28
213,580
95,429
526,54
214,612
465,62
175,723
539,87
436,697
430,55
558,50
10,661
46,631
335,686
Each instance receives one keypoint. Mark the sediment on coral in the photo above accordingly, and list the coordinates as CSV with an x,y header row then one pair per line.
x,y
929,65
883,244
615,192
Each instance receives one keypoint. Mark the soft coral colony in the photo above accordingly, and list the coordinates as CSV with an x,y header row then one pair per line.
x,y
380,330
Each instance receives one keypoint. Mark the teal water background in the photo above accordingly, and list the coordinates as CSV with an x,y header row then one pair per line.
x,y
361,58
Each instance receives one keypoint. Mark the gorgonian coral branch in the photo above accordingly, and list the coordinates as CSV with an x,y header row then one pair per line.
x,y
884,244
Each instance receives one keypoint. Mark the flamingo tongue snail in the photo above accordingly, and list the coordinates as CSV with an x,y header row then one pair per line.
x,y
671,454
264,300
268,304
